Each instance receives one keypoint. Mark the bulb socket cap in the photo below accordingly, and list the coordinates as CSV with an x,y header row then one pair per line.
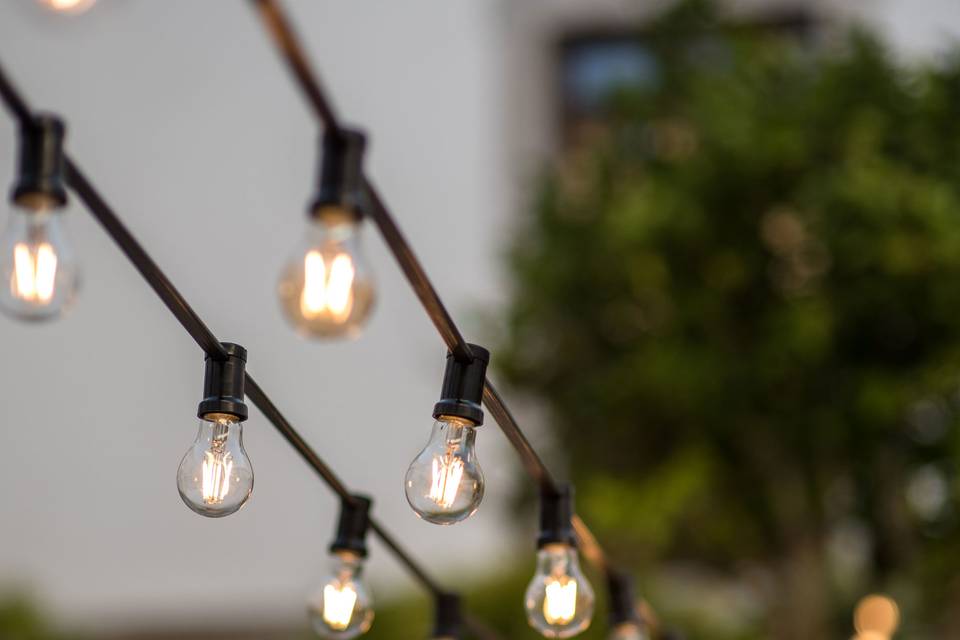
x,y
448,621
40,180
623,606
341,174
462,392
223,384
556,517
352,526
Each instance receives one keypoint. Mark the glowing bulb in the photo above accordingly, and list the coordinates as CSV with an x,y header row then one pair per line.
x,y
325,290
68,6
39,275
444,484
215,477
342,608
628,631
559,601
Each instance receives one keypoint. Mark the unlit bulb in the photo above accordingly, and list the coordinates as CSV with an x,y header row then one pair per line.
x,y
559,600
444,483
215,477
325,289
40,274
342,607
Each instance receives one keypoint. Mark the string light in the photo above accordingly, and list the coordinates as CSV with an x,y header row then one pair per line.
x,y
448,617
325,288
625,621
444,483
67,6
342,607
38,273
215,477
559,600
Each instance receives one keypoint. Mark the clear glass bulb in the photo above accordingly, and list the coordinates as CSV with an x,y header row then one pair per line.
x,y
444,483
342,607
628,631
68,6
325,289
40,276
215,477
559,600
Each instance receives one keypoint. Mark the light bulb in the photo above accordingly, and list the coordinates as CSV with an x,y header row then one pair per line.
x,y
444,483
342,607
628,631
559,600
68,6
215,477
325,289
39,273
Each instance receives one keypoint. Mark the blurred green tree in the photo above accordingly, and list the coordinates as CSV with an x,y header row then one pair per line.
x,y
739,301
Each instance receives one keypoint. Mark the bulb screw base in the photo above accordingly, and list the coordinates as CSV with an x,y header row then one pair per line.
x,y
623,608
353,525
40,181
341,174
449,616
462,392
556,517
223,384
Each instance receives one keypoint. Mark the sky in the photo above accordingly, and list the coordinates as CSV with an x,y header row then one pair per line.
x,y
181,113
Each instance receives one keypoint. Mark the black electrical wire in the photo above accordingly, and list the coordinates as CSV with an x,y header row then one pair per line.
x,y
286,40
198,330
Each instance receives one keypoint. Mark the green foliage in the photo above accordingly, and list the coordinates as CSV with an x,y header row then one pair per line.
x,y
740,302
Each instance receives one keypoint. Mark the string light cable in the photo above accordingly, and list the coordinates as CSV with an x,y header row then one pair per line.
x,y
226,379
325,291
293,55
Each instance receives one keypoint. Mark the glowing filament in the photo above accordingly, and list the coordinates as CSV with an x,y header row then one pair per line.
x,y
327,293
560,605
338,604
34,273
447,474
216,476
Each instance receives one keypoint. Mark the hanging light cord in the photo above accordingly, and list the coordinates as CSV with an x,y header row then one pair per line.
x,y
286,40
207,341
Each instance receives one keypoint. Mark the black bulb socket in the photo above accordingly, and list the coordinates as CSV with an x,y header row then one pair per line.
x,y
448,622
223,382
556,517
353,525
40,181
623,605
463,382
340,192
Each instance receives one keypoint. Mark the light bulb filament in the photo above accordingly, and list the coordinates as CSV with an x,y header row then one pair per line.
x,y
447,475
338,604
34,272
217,467
560,605
324,293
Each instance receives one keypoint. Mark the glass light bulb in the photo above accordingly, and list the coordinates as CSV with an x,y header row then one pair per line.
x,y
68,6
559,600
39,274
628,631
444,483
325,289
342,607
215,477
